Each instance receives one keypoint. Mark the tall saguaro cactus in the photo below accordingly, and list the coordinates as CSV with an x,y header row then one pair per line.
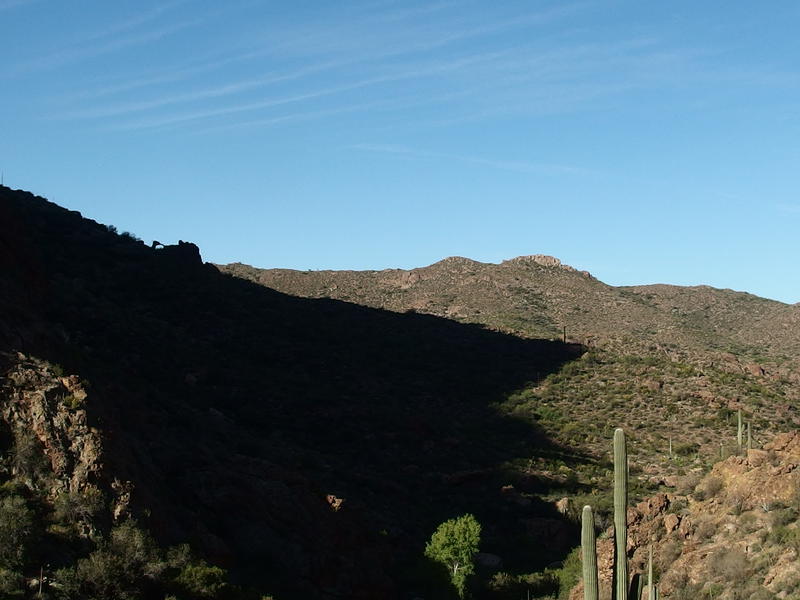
x,y
739,431
651,589
620,515
589,555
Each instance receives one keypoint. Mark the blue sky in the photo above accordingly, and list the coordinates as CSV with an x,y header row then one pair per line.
x,y
647,142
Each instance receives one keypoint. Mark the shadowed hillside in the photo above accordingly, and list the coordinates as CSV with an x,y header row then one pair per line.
x,y
670,364
539,296
310,445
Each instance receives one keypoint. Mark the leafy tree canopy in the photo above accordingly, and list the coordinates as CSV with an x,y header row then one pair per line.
x,y
454,545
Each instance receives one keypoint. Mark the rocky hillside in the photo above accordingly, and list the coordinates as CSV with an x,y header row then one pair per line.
x,y
305,433
309,446
731,534
669,364
538,296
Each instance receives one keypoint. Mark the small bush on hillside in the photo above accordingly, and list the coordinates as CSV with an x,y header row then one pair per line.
x,y
505,586
669,553
569,574
76,506
687,449
731,564
705,529
16,532
783,516
123,567
202,581
737,503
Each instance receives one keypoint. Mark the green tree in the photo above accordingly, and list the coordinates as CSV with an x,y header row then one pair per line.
x,y
454,545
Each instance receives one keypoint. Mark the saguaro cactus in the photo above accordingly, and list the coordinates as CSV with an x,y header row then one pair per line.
x,y
620,515
651,590
589,555
749,437
739,431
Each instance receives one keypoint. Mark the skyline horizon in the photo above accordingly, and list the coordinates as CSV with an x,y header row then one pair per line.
x,y
640,142
492,261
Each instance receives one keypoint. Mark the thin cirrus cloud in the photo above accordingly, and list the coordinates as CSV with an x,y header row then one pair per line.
x,y
409,44
393,104
412,40
8,4
367,38
137,20
161,76
63,57
215,92
432,69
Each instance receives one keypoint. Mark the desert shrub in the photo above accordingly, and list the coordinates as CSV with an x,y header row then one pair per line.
x,y
678,506
201,581
712,486
737,503
749,522
669,553
705,529
687,449
27,456
569,574
505,586
783,516
785,536
122,567
682,587
687,484
762,594
76,506
16,532
731,564
11,584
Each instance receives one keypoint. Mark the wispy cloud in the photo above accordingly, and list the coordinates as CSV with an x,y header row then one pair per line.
x,y
207,93
62,57
293,117
393,104
137,20
417,71
7,4
519,166
790,209
161,76
368,37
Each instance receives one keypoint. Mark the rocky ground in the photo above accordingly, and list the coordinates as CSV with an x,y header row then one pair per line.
x,y
731,534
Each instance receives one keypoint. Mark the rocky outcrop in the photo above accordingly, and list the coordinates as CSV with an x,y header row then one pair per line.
x,y
51,443
47,410
735,536
544,260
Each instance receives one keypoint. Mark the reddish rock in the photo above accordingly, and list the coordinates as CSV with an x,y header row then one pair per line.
x,y
653,506
671,522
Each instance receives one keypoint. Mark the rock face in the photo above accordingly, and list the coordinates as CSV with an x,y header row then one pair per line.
x,y
45,412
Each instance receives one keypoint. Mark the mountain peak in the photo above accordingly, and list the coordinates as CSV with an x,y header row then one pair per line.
x,y
543,260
